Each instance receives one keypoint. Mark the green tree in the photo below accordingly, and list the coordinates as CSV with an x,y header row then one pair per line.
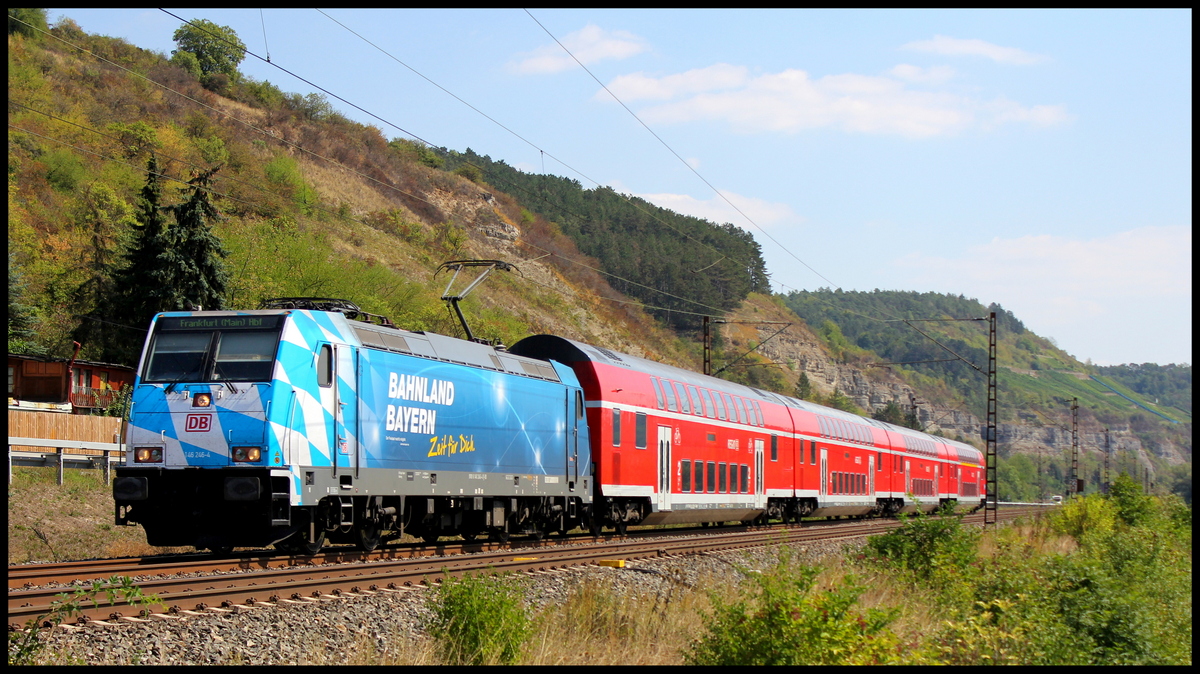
x,y
217,48
107,218
891,413
804,387
142,284
22,318
196,255
26,22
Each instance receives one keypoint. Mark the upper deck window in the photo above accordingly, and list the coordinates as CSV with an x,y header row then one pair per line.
x,y
670,393
658,395
683,399
212,349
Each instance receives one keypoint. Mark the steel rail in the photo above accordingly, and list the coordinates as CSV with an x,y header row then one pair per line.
x,y
241,591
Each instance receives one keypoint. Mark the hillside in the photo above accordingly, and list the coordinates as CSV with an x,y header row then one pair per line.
x,y
313,204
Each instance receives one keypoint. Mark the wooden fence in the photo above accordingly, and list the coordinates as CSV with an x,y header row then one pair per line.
x,y
54,426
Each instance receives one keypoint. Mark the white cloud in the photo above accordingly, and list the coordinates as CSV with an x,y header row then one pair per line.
x,y
638,86
589,44
918,75
716,209
790,101
1110,298
950,46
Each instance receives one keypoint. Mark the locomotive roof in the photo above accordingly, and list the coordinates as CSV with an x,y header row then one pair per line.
x,y
441,347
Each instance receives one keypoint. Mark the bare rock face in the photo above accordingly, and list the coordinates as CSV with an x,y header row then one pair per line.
x,y
873,388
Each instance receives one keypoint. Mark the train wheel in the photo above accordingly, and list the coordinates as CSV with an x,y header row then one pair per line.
x,y
621,527
430,538
222,550
498,535
298,544
367,535
469,535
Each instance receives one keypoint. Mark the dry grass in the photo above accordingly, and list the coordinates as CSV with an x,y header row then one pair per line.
x,y
51,522
598,626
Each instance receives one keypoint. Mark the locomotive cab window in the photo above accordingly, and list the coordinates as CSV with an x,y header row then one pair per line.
x,y
325,366
213,348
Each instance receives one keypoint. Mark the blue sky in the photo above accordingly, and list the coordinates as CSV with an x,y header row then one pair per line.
x,y
1039,159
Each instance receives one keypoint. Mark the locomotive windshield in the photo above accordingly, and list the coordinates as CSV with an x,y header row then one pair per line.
x,y
217,349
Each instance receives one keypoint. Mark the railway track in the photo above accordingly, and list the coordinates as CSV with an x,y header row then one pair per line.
x,y
251,582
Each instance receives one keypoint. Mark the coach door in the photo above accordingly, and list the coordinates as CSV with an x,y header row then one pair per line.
x,y
824,489
760,498
907,480
871,475
664,467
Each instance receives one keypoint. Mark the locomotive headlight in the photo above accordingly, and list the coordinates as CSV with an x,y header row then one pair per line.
x,y
202,400
147,454
246,454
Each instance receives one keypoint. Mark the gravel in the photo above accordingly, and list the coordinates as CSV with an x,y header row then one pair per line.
x,y
386,627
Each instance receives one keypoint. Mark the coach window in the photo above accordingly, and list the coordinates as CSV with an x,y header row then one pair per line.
x,y
699,484
733,482
616,428
879,462
774,447
712,477
683,399
745,479
639,438
670,393
721,478
658,395
720,405
685,475
325,366
739,409
729,406
710,410
697,406
759,413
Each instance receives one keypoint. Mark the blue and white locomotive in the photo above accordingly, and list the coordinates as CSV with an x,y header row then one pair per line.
x,y
298,424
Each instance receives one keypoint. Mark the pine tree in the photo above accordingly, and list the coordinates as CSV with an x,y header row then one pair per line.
x,y
109,218
22,318
196,251
804,387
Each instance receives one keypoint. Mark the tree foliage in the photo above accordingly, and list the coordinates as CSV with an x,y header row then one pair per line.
x,y
22,317
26,22
686,266
217,48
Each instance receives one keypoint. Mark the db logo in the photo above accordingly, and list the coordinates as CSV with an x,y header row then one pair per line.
x,y
198,423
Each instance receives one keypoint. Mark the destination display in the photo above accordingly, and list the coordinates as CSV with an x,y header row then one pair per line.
x,y
171,323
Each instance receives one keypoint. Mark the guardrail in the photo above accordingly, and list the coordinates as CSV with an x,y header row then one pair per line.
x,y
60,457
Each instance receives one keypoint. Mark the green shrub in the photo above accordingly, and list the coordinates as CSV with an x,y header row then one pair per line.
x,y
64,169
1133,506
785,621
924,544
1080,515
479,620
